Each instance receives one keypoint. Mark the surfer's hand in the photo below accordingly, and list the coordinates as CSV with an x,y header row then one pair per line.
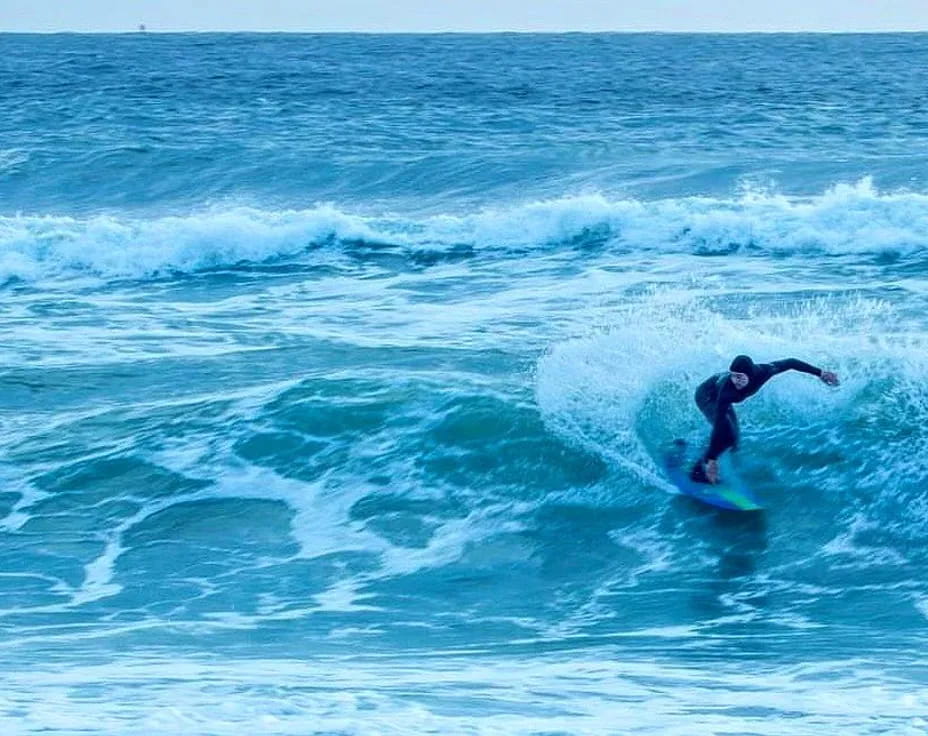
x,y
830,378
712,471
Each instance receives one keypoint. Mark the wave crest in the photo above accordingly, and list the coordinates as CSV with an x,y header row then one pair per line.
x,y
847,219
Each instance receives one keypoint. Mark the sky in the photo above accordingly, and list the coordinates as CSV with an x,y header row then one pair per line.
x,y
464,15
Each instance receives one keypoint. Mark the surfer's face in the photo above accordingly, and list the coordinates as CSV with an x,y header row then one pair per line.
x,y
740,380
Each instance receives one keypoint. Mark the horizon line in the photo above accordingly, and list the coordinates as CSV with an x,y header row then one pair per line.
x,y
148,31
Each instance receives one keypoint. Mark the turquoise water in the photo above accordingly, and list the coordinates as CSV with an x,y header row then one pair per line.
x,y
335,368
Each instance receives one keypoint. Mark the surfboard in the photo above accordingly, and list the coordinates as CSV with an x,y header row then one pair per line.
x,y
730,493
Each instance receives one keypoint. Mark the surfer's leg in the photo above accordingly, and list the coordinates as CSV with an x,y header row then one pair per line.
x,y
735,429
729,432
729,441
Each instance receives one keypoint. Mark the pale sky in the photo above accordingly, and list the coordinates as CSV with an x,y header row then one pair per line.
x,y
464,15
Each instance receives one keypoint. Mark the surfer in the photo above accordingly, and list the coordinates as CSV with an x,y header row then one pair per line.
x,y
717,394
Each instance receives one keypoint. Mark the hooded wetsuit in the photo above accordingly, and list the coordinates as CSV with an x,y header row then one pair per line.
x,y
716,395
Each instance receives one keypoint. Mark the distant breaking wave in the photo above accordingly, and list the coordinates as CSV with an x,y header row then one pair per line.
x,y
847,219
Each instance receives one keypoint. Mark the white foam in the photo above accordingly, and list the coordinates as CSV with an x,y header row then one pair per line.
x,y
602,389
598,694
114,247
845,219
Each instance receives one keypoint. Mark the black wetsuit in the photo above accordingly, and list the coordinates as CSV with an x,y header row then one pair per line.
x,y
715,397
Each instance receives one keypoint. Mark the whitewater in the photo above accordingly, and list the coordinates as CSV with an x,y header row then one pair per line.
x,y
336,372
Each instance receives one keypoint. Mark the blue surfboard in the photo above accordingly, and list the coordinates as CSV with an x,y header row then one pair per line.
x,y
729,493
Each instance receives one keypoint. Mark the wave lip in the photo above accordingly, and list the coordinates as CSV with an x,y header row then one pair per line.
x,y
847,219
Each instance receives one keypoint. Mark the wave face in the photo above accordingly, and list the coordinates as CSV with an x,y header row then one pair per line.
x,y
336,381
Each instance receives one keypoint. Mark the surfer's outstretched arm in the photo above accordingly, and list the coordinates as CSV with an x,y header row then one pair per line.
x,y
794,364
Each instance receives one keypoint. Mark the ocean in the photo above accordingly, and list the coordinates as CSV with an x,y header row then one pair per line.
x,y
336,372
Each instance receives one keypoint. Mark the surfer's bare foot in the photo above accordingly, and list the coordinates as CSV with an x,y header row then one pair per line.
x,y
712,471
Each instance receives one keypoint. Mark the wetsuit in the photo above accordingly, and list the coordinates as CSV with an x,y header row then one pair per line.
x,y
716,395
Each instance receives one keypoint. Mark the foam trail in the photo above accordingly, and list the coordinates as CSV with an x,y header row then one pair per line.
x,y
622,392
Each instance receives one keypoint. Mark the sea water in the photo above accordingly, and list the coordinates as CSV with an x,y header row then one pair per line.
x,y
335,373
